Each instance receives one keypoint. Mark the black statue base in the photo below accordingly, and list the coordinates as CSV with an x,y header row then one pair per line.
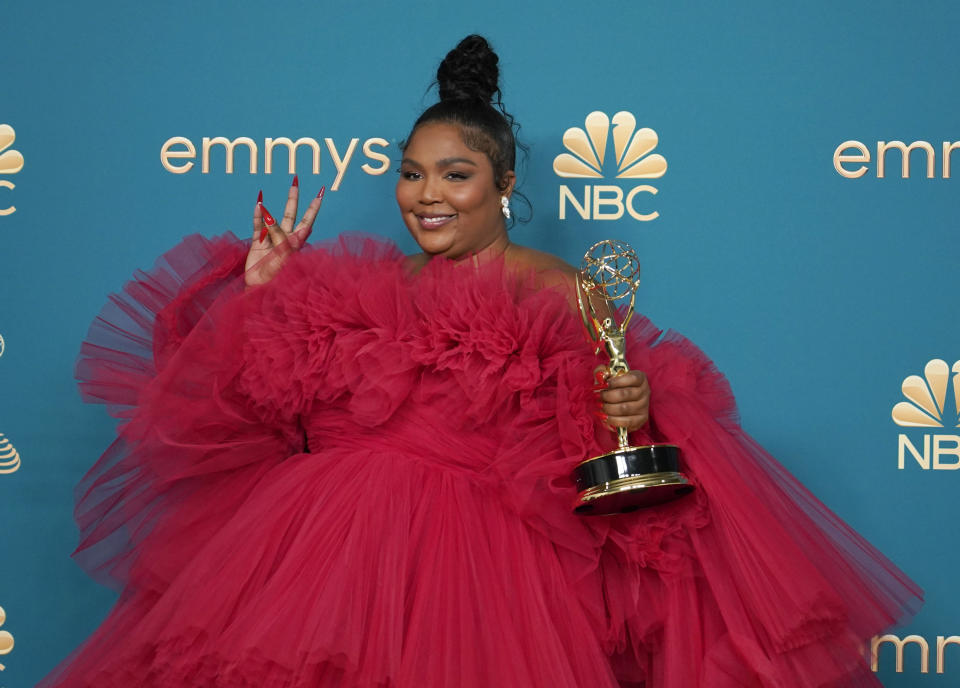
x,y
629,479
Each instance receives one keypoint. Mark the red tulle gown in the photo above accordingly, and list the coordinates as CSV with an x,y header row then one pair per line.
x,y
355,476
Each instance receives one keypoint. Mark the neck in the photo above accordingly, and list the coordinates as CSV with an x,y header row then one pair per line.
x,y
495,249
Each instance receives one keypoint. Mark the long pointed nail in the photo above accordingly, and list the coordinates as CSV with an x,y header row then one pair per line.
x,y
260,196
296,181
267,217
322,191
268,221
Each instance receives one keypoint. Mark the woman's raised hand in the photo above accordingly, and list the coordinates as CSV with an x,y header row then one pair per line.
x,y
272,242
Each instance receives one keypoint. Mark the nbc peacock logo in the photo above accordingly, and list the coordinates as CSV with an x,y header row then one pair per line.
x,y
6,640
927,405
9,456
632,158
11,162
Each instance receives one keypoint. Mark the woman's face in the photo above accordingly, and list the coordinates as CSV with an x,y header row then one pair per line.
x,y
447,195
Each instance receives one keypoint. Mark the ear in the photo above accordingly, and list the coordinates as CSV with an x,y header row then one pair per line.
x,y
507,182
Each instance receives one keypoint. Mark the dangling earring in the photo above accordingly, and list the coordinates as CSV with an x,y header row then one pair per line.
x,y
505,206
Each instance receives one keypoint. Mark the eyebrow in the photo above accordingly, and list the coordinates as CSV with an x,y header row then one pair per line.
x,y
445,162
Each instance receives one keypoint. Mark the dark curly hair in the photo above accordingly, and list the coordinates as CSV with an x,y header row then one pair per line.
x,y
470,98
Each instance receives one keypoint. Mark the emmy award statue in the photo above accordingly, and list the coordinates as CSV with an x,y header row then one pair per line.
x,y
627,478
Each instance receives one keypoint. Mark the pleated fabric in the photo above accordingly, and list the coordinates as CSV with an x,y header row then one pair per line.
x,y
359,477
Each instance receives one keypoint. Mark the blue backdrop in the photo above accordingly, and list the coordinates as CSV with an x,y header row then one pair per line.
x,y
817,291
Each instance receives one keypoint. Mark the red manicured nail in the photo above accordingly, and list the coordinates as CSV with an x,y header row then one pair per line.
x,y
263,231
267,220
267,217
296,181
322,190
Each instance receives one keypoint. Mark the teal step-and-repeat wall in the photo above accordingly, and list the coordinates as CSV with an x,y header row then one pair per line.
x,y
788,174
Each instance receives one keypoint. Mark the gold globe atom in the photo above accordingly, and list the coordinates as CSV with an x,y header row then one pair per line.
x,y
611,266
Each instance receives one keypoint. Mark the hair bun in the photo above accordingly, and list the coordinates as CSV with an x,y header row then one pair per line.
x,y
470,72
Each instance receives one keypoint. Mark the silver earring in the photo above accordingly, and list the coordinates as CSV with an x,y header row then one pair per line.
x,y
505,206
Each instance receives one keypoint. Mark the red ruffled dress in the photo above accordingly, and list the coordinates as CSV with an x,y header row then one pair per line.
x,y
356,477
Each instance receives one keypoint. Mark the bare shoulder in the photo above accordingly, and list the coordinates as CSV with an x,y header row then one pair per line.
x,y
552,271
552,268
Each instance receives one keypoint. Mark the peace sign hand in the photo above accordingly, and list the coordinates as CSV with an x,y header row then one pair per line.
x,y
273,242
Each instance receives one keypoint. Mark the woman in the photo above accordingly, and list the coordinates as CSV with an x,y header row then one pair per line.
x,y
344,467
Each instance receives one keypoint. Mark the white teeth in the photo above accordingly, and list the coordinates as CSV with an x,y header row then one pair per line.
x,y
435,221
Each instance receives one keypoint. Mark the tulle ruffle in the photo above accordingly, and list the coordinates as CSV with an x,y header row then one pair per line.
x,y
356,476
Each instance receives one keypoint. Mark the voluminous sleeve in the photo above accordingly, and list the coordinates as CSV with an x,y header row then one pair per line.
x,y
167,356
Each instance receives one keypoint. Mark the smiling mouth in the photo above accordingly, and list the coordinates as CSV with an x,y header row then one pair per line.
x,y
434,221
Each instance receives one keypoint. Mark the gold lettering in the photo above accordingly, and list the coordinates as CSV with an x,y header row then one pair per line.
x,y
373,155
228,145
340,163
905,443
899,644
948,148
567,195
941,646
630,209
840,157
905,150
270,144
166,154
939,450
616,201
12,209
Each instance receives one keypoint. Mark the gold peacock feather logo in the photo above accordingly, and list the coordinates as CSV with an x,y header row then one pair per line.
x,y
6,640
927,396
9,456
631,148
11,161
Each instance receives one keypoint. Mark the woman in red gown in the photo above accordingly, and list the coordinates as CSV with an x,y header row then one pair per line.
x,y
354,470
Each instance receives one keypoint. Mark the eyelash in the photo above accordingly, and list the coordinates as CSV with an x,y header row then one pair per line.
x,y
413,176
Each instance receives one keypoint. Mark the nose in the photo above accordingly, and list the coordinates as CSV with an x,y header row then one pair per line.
x,y
430,191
